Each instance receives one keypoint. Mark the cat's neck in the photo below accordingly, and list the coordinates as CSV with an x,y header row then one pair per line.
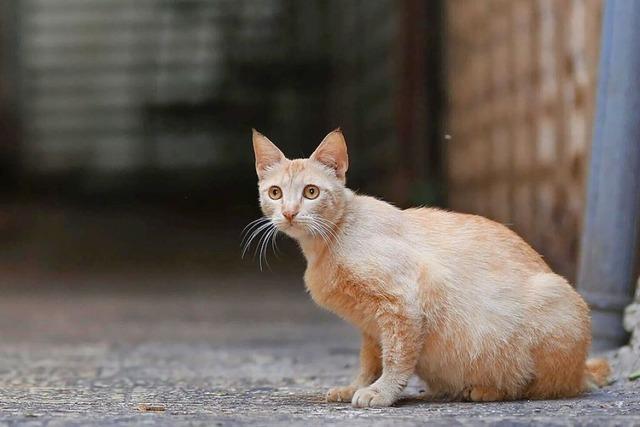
x,y
315,247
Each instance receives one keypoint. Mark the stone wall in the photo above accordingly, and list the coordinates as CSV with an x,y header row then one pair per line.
x,y
627,359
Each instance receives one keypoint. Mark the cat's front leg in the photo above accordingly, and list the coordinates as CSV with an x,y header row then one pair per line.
x,y
370,369
401,342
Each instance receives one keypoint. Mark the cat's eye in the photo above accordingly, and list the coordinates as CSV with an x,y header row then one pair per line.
x,y
311,192
275,193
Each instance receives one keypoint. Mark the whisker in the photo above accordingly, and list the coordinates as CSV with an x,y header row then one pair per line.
x,y
262,218
320,232
325,228
253,235
274,243
260,240
274,233
263,248
246,231
328,230
265,232
328,225
246,239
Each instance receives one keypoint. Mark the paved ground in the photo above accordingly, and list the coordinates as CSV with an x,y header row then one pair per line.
x,y
231,355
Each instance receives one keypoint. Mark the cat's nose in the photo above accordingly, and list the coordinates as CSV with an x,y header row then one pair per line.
x,y
289,214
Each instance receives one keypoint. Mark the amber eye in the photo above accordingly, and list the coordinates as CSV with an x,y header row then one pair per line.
x,y
275,192
311,192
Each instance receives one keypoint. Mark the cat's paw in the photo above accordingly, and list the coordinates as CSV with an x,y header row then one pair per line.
x,y
372,397
341,394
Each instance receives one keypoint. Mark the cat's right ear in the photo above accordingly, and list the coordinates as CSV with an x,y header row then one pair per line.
x,y
267,154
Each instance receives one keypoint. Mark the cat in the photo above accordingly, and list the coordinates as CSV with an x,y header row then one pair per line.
x,y
458,299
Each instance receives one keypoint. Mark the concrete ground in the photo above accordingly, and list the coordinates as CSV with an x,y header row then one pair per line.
x,y
226,352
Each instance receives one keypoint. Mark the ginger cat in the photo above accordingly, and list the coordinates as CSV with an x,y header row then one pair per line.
x,y
457,299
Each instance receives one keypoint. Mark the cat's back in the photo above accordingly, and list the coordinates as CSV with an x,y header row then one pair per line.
x,y
472,238
461,244
368,220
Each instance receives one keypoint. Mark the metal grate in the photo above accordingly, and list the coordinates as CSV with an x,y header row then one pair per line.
x,y
92,71
111,87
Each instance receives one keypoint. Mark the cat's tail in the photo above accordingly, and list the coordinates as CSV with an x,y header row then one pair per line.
x,y
597,372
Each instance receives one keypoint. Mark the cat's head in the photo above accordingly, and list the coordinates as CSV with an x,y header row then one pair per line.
x,y
302,197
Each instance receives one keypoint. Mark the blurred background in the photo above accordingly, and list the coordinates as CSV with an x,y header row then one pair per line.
x,y
127,176
125,125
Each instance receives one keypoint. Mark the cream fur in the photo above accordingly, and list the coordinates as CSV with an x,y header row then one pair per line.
x,y
457,299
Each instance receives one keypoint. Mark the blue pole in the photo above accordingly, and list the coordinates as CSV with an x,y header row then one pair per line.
x,y
612,224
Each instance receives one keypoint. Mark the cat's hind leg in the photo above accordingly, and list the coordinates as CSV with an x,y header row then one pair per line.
x,y
483,394
559,355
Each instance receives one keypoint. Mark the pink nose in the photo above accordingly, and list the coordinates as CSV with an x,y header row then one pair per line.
x,y
289,215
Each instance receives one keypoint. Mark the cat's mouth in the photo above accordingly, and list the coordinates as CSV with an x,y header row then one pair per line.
x,y
292,228
286,225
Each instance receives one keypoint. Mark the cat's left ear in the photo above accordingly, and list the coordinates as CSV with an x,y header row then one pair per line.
x,y
332,152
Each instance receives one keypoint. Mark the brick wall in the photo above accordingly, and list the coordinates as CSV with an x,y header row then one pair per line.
x,y
521,81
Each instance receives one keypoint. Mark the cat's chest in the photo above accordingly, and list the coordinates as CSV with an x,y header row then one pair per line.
x,y
337,290
326,290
